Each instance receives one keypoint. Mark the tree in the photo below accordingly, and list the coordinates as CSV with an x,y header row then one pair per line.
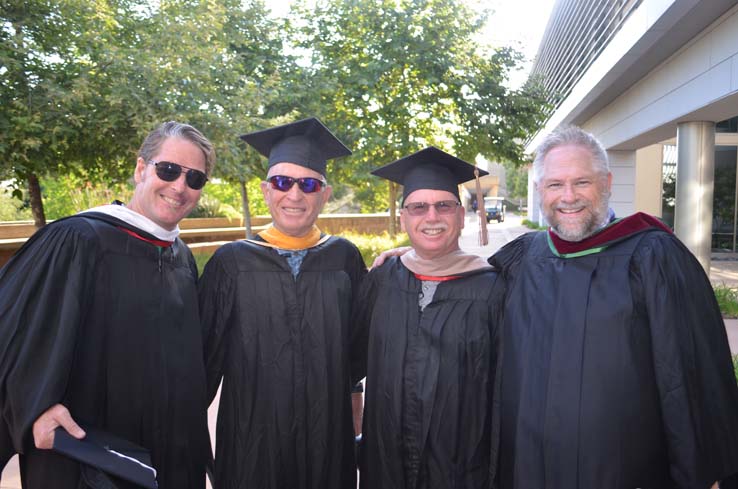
x,y
218,65
397,75
51,118
123,67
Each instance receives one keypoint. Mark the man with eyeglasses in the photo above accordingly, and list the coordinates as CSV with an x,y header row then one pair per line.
x,y
99,328
430,320
276,312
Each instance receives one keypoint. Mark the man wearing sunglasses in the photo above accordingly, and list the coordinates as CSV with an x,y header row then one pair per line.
x,y
430,320
276,312
99,328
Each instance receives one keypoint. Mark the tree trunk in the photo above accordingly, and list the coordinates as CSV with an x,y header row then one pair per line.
x,y
245,208
37,204
392,209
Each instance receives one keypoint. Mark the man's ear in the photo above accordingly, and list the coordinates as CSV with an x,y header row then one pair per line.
x,y
327,191
140,169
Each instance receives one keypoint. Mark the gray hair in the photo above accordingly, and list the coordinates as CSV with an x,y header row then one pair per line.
x,y
155,139
575,136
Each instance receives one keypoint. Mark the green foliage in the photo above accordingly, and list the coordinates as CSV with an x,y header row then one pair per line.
x,y
735,366
371,245
11,209
532,225
83,81
516,179
392,77
201,258
727,299
69,193
59,70
229,196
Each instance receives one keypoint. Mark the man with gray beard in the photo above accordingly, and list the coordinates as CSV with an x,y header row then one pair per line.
x,y
616,366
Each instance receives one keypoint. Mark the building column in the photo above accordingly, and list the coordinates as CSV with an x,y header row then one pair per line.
x,y
534,210
694,188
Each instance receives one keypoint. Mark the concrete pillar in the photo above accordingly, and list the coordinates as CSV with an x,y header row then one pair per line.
x,y
694,188
534,210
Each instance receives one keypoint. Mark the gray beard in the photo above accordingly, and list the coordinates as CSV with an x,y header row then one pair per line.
x,y
596,222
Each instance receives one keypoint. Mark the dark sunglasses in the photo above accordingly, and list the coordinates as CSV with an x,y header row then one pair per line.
x,y
308,185
443,207
169,172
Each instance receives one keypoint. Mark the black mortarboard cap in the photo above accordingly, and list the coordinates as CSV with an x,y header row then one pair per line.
x,y
107,453
306,143
429,168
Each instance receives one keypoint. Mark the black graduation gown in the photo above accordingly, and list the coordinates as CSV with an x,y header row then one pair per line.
x,y
617,371
428,418
106,324
281,346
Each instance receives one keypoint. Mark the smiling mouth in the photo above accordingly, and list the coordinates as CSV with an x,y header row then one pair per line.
x,y
432,232
570,211
172,202
293,210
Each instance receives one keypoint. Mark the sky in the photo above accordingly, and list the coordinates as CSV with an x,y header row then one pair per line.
x,y
519,24
516,23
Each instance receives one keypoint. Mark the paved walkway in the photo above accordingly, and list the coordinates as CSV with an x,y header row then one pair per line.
x,y
724,270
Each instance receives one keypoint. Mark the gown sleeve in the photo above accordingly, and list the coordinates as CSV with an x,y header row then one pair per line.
x,y
216,289
43,300
510,255
361,318
692,361
357,341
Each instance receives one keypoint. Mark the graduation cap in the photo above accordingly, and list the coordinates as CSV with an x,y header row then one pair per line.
x,y
102,454
306,143
434,169
429,168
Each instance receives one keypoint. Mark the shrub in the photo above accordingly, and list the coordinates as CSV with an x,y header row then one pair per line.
x,y
229,196
727,298
68,194
201,259
735,366
12,209
532,225
371,245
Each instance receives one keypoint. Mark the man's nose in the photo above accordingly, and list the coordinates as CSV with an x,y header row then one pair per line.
x,y
180,183
569,193
294,192
432,214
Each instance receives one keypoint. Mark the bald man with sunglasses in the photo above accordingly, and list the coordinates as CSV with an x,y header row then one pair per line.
x,y
276,313
99,329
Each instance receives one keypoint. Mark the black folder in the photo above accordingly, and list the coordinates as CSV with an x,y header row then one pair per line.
x,y
109,453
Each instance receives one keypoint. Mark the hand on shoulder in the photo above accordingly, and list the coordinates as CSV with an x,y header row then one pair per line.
x,y
378,261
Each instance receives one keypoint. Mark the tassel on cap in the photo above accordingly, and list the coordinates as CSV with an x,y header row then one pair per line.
x,y
483,237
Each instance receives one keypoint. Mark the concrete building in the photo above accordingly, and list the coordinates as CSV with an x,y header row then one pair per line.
x,y
656,81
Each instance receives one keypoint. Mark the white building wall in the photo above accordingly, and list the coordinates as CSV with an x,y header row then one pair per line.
x,y
699,82
623,169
